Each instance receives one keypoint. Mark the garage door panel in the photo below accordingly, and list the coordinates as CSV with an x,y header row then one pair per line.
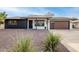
x,y
59,25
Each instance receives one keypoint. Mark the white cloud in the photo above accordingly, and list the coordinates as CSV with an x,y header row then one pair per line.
x,y
24,11
18,11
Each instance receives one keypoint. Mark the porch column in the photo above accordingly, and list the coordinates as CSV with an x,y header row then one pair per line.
x,y
36,21
45,24
49,24
28,24
33,24
70,27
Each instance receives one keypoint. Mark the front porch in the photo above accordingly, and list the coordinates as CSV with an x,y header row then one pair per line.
x,y
38,23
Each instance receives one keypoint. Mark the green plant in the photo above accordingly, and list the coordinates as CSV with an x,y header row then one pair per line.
x,y
51,42
3,16
23,45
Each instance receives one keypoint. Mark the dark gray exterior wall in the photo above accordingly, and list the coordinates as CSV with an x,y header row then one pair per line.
x,y
21,24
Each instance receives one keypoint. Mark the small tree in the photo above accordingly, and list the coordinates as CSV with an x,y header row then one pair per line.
x,y
3,16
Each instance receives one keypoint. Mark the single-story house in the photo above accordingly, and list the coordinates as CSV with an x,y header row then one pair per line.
x,y
38,22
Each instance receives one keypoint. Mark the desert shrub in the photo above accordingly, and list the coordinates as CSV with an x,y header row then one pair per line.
x,y
51,43
23,45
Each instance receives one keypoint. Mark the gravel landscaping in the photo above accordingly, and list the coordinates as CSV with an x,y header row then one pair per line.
x,y
9,37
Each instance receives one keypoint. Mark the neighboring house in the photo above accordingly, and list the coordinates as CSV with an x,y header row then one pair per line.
x,y
75,24
47,21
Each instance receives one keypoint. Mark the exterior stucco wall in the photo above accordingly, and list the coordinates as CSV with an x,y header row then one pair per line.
x,y
77,26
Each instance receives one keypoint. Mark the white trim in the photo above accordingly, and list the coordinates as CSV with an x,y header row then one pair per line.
x,y
70,27
38,27
28,24
48,24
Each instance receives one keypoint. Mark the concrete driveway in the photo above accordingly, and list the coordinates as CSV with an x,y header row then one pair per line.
x,y
69,38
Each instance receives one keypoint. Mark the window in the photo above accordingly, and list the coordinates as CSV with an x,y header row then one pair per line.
x,y
39,22
12,22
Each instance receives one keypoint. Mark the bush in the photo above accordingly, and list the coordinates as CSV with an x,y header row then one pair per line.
x,y
23,45
51,43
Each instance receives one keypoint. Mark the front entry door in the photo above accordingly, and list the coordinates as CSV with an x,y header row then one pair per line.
x,y
30,24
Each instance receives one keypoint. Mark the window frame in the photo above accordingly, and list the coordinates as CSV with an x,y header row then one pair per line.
x,y
12,22
39,23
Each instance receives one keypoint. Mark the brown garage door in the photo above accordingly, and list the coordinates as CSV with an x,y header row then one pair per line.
x,y
60,25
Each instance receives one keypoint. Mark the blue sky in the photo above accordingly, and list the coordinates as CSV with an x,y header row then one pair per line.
x,y
57,11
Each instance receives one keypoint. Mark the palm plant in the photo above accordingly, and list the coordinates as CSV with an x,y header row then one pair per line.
x,y
51,43
3,16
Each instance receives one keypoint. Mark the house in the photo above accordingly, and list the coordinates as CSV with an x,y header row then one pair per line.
x,y
48,21
75,24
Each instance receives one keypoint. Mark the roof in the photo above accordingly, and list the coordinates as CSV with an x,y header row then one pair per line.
x,y
38,16
61,19
52,18
76,20
17,17
48,15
